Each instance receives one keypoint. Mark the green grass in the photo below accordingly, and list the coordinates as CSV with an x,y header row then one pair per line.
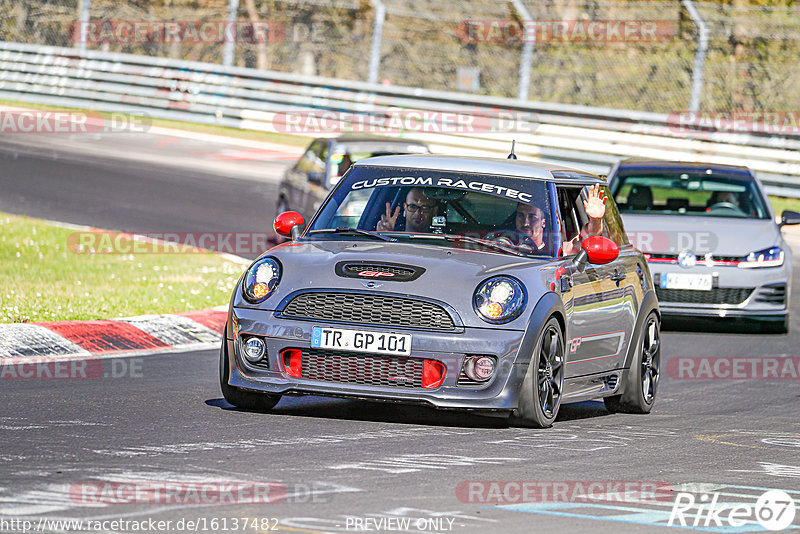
x,y
42,279
254,135
782,203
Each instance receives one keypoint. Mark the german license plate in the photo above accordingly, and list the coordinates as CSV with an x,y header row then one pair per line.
x,y
698,282
360,341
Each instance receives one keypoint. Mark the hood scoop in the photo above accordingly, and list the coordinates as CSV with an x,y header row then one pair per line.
x,y
371,270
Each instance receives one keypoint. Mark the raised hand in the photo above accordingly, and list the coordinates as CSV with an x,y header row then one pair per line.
x,y
595,206
388,220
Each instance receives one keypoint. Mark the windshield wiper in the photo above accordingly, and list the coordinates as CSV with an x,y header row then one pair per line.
x,y
487,244
355,231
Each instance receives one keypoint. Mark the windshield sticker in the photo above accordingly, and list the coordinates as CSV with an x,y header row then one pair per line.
x,y
483,187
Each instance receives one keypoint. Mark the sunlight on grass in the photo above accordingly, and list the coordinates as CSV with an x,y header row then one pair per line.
x,y
42,279
782,203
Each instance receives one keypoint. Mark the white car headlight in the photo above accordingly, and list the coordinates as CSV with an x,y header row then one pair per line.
x,y
253,348
500,299
769,257
260,280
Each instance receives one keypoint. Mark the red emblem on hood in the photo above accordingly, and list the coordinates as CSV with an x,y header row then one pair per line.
x,y
375,274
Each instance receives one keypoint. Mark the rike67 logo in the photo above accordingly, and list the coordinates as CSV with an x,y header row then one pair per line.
x,y
774,510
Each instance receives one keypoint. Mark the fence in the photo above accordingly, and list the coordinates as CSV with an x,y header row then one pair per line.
x,y
470,46
578,136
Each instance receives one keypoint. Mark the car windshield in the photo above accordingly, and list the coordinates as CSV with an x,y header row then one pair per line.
x,y
462,210
684,193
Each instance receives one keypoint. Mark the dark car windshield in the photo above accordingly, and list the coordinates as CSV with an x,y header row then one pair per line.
x,y
463,210
685,193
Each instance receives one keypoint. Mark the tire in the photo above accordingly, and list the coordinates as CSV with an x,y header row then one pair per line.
x,y
641,386
247,400
540,396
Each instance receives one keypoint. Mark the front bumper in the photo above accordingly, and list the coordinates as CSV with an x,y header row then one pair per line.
x,y
761,294
511,348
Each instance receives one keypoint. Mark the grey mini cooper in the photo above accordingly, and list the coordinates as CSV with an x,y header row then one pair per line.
x,y
493,285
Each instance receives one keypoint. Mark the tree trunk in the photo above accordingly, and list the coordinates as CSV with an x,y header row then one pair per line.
x,y
261,47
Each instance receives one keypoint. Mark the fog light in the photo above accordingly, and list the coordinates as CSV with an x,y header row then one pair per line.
x,y
254,349
293,362
432,374
479,368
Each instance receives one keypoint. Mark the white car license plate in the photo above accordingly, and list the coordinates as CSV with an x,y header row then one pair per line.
x,y
360,341
698,282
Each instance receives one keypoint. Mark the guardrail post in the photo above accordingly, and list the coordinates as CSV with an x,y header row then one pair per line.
x,y
377,38
700,55
230,42
529,38
83,23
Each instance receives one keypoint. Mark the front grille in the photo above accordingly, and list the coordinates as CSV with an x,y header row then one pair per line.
x,y
717,295
391,272
700,259
397,271
611,382
369,310
772,295
355,368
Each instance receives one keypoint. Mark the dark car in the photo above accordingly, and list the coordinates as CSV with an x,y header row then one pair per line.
x,y
710,236
454,283
307,183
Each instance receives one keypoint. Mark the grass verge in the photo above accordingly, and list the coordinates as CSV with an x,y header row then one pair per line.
x,y
782,203
41,279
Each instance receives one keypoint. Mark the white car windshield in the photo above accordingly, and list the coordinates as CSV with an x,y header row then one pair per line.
x,y
710,195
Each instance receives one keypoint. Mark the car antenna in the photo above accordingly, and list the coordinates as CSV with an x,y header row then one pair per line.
x,y
512,155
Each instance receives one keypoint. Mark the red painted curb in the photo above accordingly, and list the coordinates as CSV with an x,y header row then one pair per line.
x,y
101,337
211,319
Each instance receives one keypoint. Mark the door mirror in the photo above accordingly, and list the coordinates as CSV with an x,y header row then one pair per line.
x,y
789,217
288,224
601,250
598,250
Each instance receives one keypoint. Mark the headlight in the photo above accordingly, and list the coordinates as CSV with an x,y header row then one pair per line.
x,y
253,349
261,280
479,368
769,257
499,299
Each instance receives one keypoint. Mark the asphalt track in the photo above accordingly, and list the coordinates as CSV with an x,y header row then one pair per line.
x,y
346,466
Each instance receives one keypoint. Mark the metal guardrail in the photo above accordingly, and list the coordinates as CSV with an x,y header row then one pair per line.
x,y
577,136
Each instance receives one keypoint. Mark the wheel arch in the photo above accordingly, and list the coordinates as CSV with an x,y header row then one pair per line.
x,y
649,304
550,305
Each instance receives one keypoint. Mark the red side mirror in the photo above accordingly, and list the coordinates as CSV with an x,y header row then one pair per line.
x,y
600,250
286,221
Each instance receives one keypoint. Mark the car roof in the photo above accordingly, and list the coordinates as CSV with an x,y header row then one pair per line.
x,y
375,139
497,166
652,164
